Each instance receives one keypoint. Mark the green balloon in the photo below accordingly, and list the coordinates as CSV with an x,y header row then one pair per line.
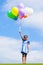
x,y
15,18
10,14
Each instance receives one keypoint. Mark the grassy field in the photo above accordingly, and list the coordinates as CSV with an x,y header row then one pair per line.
x,y
23,64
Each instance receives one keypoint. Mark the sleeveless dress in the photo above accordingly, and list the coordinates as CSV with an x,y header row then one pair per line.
x,y
24,48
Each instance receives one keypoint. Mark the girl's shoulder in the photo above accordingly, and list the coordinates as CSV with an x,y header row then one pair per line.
x,y
28,42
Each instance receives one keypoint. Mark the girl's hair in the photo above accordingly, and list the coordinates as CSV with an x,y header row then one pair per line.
x,y
24,37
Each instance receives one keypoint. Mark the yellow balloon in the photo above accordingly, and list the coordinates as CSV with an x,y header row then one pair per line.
x,y
15,11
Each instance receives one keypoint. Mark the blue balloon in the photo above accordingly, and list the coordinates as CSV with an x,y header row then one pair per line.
x,y
15,18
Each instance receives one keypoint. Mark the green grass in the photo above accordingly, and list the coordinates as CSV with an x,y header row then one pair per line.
x,y
23,64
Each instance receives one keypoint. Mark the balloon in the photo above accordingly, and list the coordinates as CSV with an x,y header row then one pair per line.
x,y
21,5
16,17
21,12
15,11
10,14
28,11
20,17
25,16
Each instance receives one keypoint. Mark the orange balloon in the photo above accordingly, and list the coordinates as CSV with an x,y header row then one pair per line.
x,y
25,16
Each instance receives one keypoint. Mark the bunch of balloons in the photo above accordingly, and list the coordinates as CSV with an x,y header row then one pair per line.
x,y
20,12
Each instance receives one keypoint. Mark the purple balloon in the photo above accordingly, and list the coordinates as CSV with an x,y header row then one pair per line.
x,y
21,12
21,5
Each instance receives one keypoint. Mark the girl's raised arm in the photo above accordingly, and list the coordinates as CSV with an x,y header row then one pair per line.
x,y
21,34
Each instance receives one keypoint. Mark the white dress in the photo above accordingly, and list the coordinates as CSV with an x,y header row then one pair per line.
x,y
24,47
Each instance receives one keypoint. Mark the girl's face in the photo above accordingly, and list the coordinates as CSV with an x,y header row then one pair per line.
x,y
25,37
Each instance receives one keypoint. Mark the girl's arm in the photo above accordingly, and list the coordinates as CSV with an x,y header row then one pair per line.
x,y
21,35
28,46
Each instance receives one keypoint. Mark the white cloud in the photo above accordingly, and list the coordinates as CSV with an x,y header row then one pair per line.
x,y
10,51
35,21
35,57
36,45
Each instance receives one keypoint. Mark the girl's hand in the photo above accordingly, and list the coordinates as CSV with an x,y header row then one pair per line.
x,y
20,32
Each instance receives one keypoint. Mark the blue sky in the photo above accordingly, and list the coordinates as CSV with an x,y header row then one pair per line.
x,y
32,26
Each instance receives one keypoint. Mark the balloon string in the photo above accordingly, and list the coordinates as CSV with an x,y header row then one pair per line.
x,y
19,25
19,29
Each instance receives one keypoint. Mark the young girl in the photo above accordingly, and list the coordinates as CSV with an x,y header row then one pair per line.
x,y
25,47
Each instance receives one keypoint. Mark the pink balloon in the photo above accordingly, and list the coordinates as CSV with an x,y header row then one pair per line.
x,y
21,5
20,17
